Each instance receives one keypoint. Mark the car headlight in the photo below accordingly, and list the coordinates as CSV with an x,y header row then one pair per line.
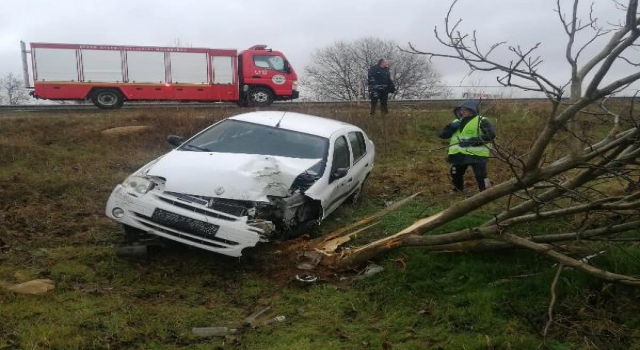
x,y
137,184
294,85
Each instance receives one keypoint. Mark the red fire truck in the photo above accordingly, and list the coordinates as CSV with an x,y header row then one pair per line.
x,y
109,75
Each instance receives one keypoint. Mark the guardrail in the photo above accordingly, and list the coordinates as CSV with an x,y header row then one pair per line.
x,y
137,105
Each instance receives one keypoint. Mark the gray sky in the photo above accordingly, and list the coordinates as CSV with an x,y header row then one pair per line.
x,y
295,27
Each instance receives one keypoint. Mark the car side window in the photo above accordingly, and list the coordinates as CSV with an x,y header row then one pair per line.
x,y
341,156
358,146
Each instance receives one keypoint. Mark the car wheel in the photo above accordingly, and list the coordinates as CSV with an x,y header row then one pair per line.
x,y
107,98
356,196
260,97
132,234
300,229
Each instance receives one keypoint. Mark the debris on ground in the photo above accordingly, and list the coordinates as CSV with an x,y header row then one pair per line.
x,y
401,261
309,260
92,288
276,320
370,270
252,320
306,278
213,331
37,286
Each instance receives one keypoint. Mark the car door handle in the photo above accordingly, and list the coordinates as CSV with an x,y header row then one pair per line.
x,y
366,165
351,179
256,76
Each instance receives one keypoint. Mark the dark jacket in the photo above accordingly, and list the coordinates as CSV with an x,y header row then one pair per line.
x,y
379,78
487,133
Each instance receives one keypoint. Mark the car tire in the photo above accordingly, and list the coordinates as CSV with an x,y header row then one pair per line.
x,y
107,98
259,97
300,229
132,234
356,196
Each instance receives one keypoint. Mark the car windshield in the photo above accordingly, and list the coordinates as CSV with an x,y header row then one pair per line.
x,y
232,136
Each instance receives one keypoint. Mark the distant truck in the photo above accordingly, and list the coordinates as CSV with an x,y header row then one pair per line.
x,y
109,75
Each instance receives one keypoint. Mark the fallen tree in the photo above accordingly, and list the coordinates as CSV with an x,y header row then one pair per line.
x,y
586,174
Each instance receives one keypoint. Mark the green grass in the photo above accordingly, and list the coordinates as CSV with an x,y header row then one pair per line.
x,y
58,170
439,300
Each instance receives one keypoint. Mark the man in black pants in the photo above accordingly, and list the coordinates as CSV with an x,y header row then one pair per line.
x,y
380,85
471,137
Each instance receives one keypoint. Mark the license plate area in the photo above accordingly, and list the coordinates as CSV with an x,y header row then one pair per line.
x,y
184,224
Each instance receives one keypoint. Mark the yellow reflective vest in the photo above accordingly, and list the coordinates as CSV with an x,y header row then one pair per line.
x,y
471,129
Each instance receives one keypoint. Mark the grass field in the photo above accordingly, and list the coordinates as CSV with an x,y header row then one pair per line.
x,y
58,169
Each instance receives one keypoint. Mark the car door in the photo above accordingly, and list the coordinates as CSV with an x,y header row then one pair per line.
x,y
361,162
340,177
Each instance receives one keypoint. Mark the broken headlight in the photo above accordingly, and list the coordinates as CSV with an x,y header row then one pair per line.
x,y
137,184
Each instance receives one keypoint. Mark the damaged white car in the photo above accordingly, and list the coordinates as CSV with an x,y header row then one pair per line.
x,y
246,179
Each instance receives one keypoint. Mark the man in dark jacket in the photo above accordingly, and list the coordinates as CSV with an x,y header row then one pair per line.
x,y
380,85
471,137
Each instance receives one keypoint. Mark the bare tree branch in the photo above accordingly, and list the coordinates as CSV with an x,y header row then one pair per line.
x,y
552,303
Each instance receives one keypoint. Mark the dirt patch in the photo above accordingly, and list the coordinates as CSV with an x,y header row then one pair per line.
x,y
279,263
125,130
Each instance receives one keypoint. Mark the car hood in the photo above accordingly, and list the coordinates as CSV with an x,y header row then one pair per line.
x,y
227,175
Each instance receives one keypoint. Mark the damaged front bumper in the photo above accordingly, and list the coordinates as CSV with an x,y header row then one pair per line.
x,y
185,219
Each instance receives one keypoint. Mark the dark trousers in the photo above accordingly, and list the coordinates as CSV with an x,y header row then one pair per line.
x,y
457,175
381,95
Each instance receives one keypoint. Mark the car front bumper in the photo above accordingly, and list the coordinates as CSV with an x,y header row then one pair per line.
x,y
178,219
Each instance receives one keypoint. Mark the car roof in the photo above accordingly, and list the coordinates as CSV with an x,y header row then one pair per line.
x,y
305,123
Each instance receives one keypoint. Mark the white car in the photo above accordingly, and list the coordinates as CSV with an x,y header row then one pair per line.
x,y
246,179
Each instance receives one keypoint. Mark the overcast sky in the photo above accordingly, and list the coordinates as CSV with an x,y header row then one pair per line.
x,y
295,27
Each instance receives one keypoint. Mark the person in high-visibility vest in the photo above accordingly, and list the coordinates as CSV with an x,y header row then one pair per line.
x,y
471,140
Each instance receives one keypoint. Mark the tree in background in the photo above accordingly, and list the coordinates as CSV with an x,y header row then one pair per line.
x,y
12,90
339,71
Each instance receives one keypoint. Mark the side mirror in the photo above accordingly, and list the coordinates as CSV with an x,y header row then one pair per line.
x,y
175,140
287,67
339,173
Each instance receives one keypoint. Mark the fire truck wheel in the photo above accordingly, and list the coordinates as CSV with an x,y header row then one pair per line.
x,y
107,98
260,97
